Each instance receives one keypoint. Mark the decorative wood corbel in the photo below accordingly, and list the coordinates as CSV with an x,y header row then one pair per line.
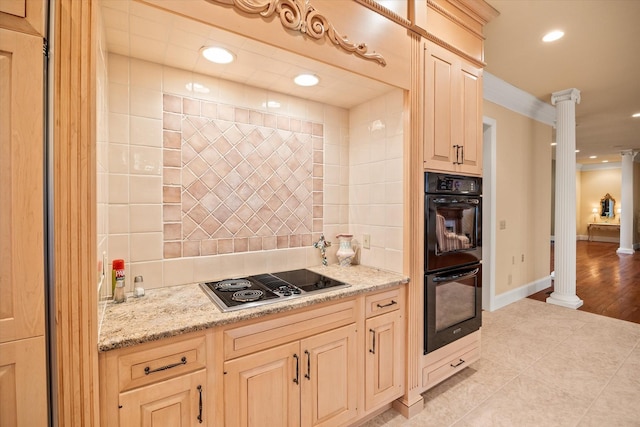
x,y
300,15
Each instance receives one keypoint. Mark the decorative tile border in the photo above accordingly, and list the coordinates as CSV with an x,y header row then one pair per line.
x,y
238,180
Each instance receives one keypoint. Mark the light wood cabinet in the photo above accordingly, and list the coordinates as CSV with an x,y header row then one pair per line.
x,y
384,357
23,375
329,384
161,383
179,402
449,360
308,382
453,121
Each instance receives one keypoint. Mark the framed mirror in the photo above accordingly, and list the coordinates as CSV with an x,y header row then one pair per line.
x,y
607,206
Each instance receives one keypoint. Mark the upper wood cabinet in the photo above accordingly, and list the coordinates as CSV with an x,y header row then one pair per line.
x,y
25,16
453,121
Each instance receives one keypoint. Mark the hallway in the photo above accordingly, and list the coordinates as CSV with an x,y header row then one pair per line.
x,y
608,283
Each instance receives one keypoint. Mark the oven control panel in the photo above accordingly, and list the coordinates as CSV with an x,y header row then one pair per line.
x,y
452,184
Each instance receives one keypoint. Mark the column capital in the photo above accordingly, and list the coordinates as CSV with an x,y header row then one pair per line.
x,y
631,153
572,94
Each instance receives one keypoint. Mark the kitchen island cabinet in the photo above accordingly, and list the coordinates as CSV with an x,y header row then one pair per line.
x,y
453,120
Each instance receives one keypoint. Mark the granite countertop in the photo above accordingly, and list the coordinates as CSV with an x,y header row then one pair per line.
x,y
170,311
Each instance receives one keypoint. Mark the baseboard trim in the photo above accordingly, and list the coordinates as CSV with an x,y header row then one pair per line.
x,y
524,291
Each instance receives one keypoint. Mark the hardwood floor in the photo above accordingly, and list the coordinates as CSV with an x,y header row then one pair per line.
x,y
608,283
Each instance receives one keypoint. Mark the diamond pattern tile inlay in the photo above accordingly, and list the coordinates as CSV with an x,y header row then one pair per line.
x,y
241,181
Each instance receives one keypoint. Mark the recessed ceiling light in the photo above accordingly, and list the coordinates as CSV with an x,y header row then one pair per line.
x,y
306,80
593,157
553,144
577,151
553,36
636,115
218,55
605,161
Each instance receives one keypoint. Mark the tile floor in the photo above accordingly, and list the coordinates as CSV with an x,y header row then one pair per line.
x,y
541,365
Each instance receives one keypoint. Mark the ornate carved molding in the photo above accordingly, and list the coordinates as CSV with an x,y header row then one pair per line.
x,y
300,15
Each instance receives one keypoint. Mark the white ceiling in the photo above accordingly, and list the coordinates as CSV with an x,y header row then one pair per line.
x,y
141,31
598,55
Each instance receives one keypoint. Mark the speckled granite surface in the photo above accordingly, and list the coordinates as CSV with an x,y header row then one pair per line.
x,y
165,312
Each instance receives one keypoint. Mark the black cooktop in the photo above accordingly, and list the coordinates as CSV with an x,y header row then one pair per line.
x,y
238,293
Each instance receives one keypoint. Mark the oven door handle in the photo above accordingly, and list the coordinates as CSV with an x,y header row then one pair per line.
x,y
456,276
445,201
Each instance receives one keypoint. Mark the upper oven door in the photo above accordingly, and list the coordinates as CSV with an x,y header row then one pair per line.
x,y
453,231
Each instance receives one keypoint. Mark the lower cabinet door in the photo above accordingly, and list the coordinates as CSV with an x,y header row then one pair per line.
x,y
329,381
178,402
23,383
384,360
263,388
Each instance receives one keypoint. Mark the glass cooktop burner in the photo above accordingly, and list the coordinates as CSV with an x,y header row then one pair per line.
x,y
234,294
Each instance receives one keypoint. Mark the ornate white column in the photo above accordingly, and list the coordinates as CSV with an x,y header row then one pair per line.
x,y
565,221
626,202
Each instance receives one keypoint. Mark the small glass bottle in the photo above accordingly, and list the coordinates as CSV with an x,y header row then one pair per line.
x,y
118,295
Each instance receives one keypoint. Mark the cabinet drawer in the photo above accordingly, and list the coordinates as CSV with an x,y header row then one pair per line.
x,y
443,369
262,334
155,362
383,302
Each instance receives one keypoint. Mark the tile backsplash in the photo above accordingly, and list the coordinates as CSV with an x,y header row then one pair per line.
x,y
208,184
238,180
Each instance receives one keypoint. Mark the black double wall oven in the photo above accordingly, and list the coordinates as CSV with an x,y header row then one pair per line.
x,y
453,258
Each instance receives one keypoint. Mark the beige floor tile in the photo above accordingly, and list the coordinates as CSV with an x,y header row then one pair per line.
x,y
525,402
541,365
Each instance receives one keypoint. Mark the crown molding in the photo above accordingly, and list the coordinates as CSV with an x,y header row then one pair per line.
x,y
512,98
301,16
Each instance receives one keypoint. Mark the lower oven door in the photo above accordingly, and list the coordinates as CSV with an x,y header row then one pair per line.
x,y
453,305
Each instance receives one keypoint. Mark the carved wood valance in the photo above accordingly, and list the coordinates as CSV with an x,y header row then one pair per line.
x,y
300,15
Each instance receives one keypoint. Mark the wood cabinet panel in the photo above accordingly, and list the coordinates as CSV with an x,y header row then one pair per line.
x,y
384,359
26,16
452,111
138,367
178,402
382,302
21,192
329,384
446,361
262,389
23,383
262,334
